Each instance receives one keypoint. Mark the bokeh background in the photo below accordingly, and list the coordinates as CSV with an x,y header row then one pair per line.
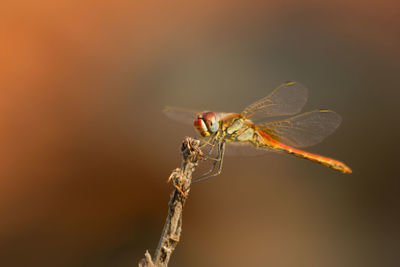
x,y
85,150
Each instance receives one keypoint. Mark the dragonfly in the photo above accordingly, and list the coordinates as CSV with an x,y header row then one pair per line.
x,y
254,127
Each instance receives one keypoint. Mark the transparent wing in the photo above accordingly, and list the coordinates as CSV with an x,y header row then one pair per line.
x,y
244,149
303,130
186,116
183,115
287,99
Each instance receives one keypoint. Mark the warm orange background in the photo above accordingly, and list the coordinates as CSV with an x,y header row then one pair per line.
x,y
85,151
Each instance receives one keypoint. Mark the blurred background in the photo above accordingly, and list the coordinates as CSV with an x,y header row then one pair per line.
x,y
85,150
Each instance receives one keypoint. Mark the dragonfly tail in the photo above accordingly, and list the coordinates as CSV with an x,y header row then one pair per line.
x,y
329,162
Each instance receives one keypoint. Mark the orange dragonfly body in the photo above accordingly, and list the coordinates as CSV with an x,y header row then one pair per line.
x,y
286,135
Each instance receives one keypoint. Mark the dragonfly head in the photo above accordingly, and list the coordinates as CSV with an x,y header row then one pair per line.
x,y
206,123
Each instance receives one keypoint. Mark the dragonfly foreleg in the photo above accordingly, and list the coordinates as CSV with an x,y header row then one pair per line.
x,y
211,149
209,142
213,166
218,160
212,145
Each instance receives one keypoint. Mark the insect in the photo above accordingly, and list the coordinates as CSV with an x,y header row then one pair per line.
x,y
285,135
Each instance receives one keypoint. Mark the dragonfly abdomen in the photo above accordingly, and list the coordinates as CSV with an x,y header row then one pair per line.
x,y
329,162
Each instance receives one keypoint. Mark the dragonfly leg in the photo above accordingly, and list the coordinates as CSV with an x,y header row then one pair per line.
x,y
210,142
212,148
219,160
207,174
211,158
216,160
209,153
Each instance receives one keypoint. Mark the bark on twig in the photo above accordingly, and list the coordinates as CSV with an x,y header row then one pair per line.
x,y
181,178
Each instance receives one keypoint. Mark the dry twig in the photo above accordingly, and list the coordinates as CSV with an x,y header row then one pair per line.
x,y
181,179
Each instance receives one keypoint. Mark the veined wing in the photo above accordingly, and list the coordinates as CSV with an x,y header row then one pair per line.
x,y
186,116
287,99
303,130
244,149
183,115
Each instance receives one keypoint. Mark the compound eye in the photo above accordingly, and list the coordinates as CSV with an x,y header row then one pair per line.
x,y
201,126
210,118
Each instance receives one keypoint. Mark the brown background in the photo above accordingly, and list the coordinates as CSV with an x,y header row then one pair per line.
x,y
85,151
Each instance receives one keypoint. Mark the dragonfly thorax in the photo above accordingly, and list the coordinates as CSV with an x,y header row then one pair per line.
x,y
206,123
